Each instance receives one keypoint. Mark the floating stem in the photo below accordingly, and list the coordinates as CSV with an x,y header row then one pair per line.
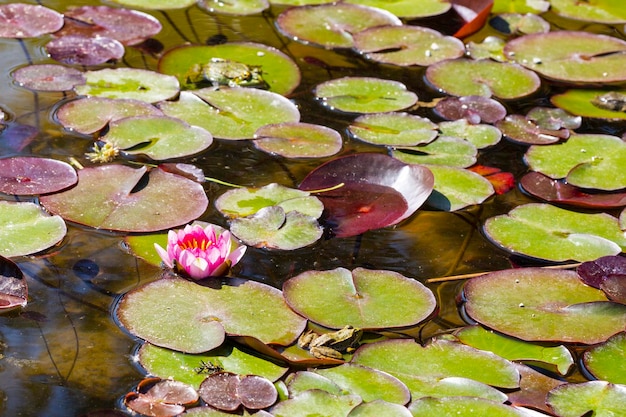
x,y
477,274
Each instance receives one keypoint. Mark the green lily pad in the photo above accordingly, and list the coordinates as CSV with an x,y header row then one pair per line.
x,y
234,7
196,318
157,137
302,381
461,406
492,47
538,304
456,188
607,361
106,198
316,402
193,369
393,129
379,408
483,77
359,298
585,160
596,398
407,45
600,11
231,113
91,114
441,368
520,6
331,25
516,350
446,150
130,83
580,102
519,24
242,202
547,232
576,57
298,140
408,8
281,74
364,95
157,4
274,227
26,229
480,135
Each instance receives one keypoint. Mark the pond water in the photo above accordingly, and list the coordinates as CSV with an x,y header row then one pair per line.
x,y
64,355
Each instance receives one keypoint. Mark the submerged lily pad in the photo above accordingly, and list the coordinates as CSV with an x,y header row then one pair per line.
x,y
378,191
607,361
199,317
576,57
393,129
13,285
298,140
331,25
364,95
26,175
547,232
231,113
19,20
113,197
26,229
585,160
598,398
130,83
483,77
359,298
538,304
48,77
157,137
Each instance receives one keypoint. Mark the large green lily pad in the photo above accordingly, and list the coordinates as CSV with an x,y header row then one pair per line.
x,y
111,197
408,8
547,232
316,402
231,113
596,398
441,368
461,406
585,160
194,318
577,57
26,229
360,298
580,102
277,70
607,361
483,77
538,304
157,137
600,11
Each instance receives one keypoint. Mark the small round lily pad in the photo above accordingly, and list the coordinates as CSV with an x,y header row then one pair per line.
x,y
298,140
48,77
393,129
27,175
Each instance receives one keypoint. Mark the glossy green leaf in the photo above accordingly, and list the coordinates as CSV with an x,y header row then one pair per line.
x,y
302,381
537,304
520,6
456,188
601,398
576,57
446,150
195,318
276,69
483,77
408,8
547,232
298,140
274,227
519,24
231,113
192,369
461,406
107,197
242,202
480,135
585,160
26,229
607,361
157,4
129,83
393,129
359,298
316,402
379,408
580,102
441,368
157,137
600,11
364,95
236,7
516,350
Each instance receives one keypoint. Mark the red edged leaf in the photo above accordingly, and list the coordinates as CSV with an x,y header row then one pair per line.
x,y
501,181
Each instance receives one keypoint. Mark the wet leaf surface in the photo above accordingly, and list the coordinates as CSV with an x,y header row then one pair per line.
x,y
480,135
20,20
606,361
408,8
80,50
28,175
598,397
474,109
298,140
608,274
522,130
160,398
431,407
393,129
456,188
13,285
445,150
581,102
227,391
48,77
236,7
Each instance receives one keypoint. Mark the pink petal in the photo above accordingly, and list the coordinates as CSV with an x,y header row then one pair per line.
x,y
236,255
163,255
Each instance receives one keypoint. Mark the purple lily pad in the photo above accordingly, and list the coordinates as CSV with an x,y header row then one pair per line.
x,y
520,129
19,20
16,136
227,391
31,176
48,77
607,273
474,109
111,197
559,191
81,50
160,398
127,26
378,191
13,286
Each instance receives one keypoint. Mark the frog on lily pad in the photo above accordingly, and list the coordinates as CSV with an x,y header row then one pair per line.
x,y
224,72
331,345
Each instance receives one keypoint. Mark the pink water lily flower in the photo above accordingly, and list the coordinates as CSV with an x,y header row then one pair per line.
x,y
200,252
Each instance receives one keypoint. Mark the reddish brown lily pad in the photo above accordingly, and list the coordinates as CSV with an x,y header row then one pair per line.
x,y
48,77
31,176
81,50
13,286
19,20
160,398
227,391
